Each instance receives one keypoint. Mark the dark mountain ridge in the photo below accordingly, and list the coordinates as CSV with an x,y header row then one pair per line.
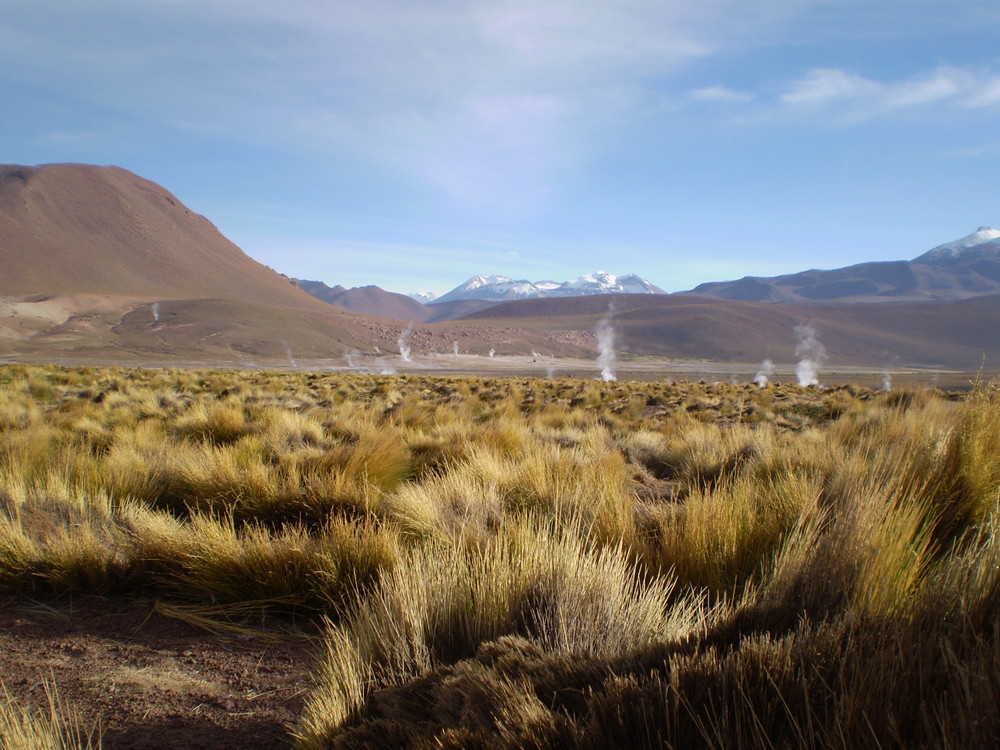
x,y
966,268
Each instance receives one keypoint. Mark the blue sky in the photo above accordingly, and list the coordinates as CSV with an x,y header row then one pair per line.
x,y
415,143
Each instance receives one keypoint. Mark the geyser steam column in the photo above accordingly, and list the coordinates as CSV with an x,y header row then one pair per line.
x,y
403,344
606,346
811,353
764,373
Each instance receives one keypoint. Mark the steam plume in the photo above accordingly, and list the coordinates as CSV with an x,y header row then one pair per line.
x,y
886,375
493,353
765,371
291,359
812,354
606,347
156,312
454,348
404,346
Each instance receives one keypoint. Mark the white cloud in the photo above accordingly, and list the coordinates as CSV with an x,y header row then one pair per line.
x,y
825,85
856,97
721,95
943,83
987,95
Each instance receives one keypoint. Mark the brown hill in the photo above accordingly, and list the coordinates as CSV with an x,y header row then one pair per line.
x,y
318,289
86,251
367,300
920,334
373,300
81,229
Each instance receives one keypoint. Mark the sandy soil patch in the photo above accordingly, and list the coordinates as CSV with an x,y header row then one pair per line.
x,y
152,681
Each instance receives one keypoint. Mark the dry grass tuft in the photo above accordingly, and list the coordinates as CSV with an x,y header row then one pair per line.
x,y
56,727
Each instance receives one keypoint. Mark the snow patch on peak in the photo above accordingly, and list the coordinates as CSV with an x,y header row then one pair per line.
x,y
956,248
422,297
498,288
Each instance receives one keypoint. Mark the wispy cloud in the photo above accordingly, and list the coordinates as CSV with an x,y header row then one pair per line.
x,y
845,97
852,96
722,95
826,85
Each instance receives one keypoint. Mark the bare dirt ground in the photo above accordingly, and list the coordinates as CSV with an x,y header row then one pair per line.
x,y
152,681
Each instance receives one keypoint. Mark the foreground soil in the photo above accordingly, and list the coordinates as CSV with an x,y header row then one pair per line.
x,y
152,681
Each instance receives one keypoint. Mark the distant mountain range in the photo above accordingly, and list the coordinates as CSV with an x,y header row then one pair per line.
x,y
373,300
100,265
968,267
962,269
478,293
503,288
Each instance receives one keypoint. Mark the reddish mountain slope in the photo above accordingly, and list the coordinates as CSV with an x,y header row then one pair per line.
x,y
368,300
80,229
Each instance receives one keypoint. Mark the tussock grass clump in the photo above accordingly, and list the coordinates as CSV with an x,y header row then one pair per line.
x,y
291,570
443,603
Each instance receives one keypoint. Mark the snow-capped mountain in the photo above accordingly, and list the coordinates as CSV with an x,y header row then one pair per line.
x,y
492,288
957,248
422,297
602,282
502,288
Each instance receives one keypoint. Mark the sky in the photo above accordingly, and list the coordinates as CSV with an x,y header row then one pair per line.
x,y
415,143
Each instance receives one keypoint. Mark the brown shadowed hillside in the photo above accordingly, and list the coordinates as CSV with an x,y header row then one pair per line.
x,y
921,334
81,229
368,300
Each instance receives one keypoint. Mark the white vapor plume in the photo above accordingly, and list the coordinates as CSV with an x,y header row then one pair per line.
x,y
811,355
493,353
291,359
764,373
351,356
454,348
404,346
606,347
886,375
550,372
156,312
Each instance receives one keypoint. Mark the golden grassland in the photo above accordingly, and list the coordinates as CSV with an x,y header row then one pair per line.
x,y
539,563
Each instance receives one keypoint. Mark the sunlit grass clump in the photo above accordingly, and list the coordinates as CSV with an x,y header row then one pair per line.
x,y
529,563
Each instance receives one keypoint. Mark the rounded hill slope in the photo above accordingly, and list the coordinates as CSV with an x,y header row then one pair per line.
x,y
81,229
